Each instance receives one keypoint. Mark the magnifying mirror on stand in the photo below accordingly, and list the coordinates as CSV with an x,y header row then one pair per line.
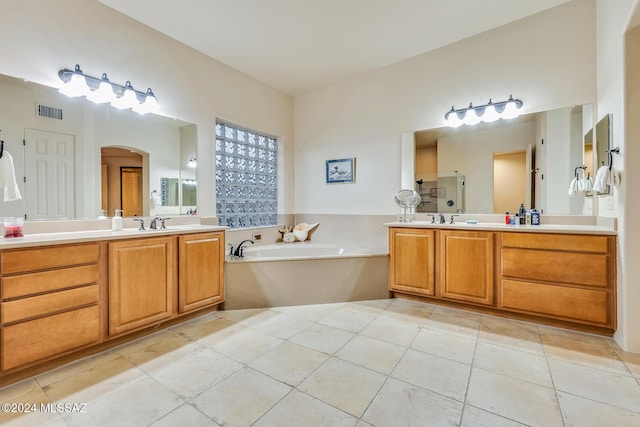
x,y
407,200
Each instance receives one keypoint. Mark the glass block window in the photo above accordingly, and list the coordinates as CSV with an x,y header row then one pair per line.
x,y
246,177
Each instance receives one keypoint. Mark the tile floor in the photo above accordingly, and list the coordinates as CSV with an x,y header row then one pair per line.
x,y
372,363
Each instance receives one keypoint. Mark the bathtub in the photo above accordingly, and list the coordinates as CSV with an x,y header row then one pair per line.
x,y
281,274
302,250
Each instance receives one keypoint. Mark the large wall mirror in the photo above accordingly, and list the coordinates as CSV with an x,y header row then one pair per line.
x,y
494,167
79,158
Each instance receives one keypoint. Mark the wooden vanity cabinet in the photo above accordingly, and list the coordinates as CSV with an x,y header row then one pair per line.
x,y
561,276
201,270
466,270
49,302
558,278
412,261
141,282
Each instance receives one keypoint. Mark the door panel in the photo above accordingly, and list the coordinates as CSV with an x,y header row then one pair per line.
x,y
50,174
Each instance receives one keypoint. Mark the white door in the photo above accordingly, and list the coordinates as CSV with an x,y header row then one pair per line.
x,y
49,164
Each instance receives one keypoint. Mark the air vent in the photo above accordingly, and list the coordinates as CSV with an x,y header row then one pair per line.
x,y
50,112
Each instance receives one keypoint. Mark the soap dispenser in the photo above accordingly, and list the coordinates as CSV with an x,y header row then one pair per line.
x,y
116,221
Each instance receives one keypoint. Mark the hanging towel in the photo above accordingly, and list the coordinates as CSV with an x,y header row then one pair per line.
x,y
600,183
588,183
157,200
573,186
8,178
614,177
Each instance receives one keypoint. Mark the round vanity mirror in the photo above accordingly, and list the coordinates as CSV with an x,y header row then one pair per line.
x,y
407,200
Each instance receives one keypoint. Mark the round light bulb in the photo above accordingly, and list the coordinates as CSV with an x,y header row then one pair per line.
x,y
77,85
128,98
471,118
490,114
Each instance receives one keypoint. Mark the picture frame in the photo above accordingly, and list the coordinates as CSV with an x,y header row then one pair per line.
x,y
341,171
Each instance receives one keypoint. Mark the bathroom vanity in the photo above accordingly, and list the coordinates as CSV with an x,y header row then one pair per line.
x,y
63,294
560,275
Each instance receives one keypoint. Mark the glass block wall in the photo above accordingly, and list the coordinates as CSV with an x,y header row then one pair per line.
x,y
246,177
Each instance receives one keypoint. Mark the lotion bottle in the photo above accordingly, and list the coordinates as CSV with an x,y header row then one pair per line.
x,y
116,221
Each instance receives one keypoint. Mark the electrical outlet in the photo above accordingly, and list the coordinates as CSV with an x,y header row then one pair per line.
x,y
610,203
256,237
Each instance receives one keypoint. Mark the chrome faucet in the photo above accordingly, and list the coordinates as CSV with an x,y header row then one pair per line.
x,y
239,252
442,220
154,223
452,216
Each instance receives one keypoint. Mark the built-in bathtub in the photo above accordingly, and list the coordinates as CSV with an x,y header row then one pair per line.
x,y
281,274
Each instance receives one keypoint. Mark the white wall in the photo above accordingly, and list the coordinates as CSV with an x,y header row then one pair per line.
x,y
619,97
472,155
39,38
547,60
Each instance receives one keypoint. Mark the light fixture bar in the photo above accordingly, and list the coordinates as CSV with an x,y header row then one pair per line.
x,y
489,112
143,102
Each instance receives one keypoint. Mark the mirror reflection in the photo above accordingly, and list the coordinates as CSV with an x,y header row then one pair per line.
x,y
79,157
494,167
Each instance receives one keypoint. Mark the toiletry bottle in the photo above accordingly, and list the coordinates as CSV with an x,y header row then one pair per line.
x,y
507,218
528,216
517,221
103,214
535,217
521,214
116,221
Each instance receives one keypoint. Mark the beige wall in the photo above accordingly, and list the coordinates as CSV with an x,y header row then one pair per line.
x,y
365,116
42,37
426,161
509,192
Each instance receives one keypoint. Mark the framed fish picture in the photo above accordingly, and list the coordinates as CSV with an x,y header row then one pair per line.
x,y
341,171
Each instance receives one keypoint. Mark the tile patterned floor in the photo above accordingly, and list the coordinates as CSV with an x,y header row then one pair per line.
x,y
371,363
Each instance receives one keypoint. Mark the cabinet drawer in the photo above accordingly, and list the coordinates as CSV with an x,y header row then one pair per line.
x,y
26,308
50,257
584,305
49,336
559,242
562,267
47,281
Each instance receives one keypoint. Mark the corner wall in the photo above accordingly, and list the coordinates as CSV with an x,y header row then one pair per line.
x,y
42,37
618,65
547,60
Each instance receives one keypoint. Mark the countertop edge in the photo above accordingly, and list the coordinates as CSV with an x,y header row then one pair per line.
x,y
50,239
545,228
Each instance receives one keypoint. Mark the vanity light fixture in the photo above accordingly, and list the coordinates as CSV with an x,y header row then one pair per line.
x,y
192,163
490,112
101,90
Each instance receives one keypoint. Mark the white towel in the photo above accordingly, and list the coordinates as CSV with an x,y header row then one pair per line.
x,y
157,200
588,184
573,186
8,178
600,183
614,177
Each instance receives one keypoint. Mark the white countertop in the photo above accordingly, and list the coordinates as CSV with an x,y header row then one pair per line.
x,y
544,228
44,239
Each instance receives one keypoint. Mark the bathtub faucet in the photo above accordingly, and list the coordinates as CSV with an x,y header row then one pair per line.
x,y
239,252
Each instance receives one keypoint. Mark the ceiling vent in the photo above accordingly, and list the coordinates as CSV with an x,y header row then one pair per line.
x,y
50,112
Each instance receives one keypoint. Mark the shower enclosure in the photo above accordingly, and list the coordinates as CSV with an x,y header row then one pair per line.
x,y
443,192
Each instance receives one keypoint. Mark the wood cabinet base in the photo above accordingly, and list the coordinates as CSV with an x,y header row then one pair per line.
x,y
482,309
10,376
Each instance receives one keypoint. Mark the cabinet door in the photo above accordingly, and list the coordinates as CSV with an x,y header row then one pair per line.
x,y
412,261
467,266
140,283
201,274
